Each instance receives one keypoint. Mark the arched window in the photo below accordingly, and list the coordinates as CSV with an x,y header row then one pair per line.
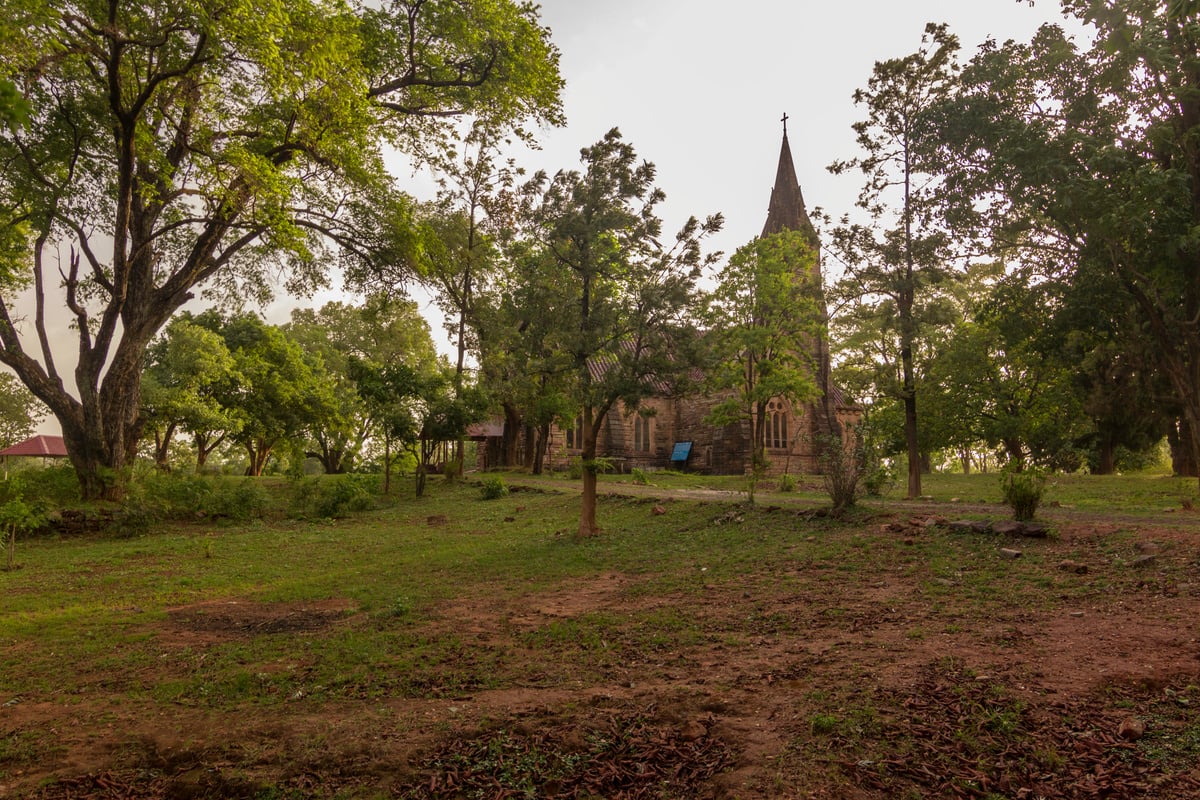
x,y
777,425
641,434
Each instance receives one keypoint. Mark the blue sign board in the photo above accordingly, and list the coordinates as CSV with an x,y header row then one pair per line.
x,y
682,451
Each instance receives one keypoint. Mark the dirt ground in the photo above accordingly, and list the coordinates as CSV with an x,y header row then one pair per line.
x,y
1099,698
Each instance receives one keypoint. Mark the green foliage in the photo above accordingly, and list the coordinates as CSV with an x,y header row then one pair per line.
x,y
178,147
384,331
765,315
342,495
612,294
17,514
575,468
20,411
55,486
493,487
898,263
1023,491
787,482
639,477
1081,160
189,382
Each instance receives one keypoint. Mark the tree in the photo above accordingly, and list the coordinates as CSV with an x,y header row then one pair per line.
x,y
280,392
415,407
1003,378
383,330
905,249
20,411
210,146
462,256
622,298
1086,159
764,315
189,367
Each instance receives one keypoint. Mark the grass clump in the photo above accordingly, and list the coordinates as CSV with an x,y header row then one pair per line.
x,y
493,487
1023,492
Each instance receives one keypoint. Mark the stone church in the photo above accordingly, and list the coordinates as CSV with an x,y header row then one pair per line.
x,y
671,432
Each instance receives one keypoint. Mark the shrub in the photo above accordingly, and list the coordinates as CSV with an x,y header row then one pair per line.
x,y
240,500
787,482
340,495
1022,491
575,468
493,488
841,471
55,486
17,515
639,477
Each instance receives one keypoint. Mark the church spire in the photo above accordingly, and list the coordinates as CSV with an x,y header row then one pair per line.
x,y
786,211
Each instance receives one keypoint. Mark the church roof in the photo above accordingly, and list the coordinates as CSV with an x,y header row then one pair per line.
x,y
786,211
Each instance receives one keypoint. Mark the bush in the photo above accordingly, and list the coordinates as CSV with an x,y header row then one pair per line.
x,y
877,478
841,471
493,488
340,495
787,482
1023,491
575,468
639,477
240,500
55,486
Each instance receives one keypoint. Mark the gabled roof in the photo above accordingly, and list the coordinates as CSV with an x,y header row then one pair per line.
x,y
47,446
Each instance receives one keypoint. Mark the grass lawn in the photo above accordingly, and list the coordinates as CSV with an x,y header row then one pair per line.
x,y
457,647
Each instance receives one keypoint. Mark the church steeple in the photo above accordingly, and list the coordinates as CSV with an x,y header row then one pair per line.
x,y
786,211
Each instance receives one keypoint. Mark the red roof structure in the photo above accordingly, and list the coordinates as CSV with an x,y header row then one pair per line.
x,y
45,446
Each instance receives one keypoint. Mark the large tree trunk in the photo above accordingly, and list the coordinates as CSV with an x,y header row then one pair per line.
x,y
529,436
101,437
1016,453
512,429
543,439
258,451
1183,462
1107,456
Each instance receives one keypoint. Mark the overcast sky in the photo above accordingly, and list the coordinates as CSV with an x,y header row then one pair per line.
x,y
699,87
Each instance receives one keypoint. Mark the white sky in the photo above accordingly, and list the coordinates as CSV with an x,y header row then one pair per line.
x,y
699,86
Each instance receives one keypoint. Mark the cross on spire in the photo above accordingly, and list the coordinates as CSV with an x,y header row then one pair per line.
x,y
784,121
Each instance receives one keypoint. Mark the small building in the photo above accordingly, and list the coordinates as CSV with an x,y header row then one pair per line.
x,y
41,445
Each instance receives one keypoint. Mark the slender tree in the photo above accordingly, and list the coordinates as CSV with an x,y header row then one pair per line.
x,y
624,299
20,411
383,330
189,368
905,249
